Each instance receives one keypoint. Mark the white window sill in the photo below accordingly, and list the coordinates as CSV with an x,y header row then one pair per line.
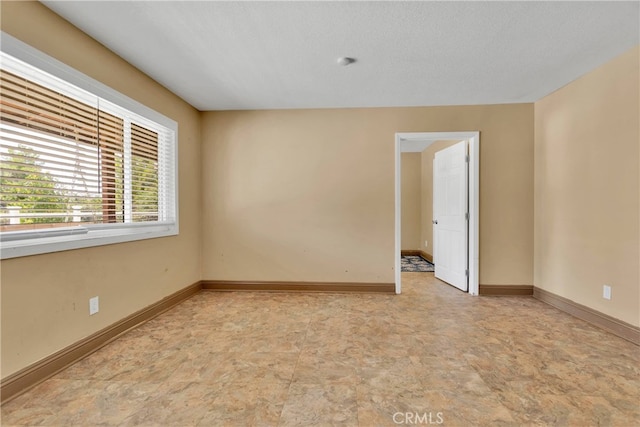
x,y
64,239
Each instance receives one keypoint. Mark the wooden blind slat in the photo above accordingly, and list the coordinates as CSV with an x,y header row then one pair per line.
x,y
36,87
43,106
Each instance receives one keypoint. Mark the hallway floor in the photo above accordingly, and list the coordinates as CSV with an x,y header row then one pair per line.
x,y
431,354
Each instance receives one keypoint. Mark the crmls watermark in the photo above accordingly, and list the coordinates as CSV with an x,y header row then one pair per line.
x,y
417,418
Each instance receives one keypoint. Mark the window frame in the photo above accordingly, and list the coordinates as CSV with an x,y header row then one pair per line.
x,y
40,241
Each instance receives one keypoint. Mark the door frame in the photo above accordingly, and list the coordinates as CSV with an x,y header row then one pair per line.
x,y
411,141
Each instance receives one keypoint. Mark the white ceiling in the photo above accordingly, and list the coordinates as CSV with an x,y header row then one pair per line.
x,y
418,145
262,55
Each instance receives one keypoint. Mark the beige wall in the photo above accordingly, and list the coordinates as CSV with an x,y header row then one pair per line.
x,y
45,298
426,226
587,189
309,194
411,201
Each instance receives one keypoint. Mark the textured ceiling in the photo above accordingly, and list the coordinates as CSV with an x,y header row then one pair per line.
x,y
259,55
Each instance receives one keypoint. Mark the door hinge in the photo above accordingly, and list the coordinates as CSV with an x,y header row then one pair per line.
x,y
466,158
466,273
466,216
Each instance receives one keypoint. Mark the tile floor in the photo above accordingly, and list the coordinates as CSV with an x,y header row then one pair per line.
x,y
431,355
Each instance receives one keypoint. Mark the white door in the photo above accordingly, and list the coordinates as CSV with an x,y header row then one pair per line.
x,y
450,201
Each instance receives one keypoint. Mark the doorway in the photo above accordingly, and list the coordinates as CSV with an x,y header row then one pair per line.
x,y
418,141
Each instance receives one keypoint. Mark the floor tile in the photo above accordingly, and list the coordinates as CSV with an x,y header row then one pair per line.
x,y
320,404
432,355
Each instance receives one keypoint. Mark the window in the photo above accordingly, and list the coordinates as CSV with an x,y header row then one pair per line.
x,y
80,164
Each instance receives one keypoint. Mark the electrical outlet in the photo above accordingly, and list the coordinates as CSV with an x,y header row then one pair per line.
x,y
606,291
94,306
426,243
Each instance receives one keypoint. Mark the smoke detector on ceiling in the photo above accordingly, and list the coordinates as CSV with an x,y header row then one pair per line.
x,y
345,60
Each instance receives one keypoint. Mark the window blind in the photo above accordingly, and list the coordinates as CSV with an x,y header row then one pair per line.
x,y
68,157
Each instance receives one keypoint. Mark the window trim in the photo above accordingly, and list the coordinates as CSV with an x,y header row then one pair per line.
x,y
76,237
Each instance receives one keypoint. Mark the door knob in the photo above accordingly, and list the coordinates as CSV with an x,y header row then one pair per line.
x,y
435,221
